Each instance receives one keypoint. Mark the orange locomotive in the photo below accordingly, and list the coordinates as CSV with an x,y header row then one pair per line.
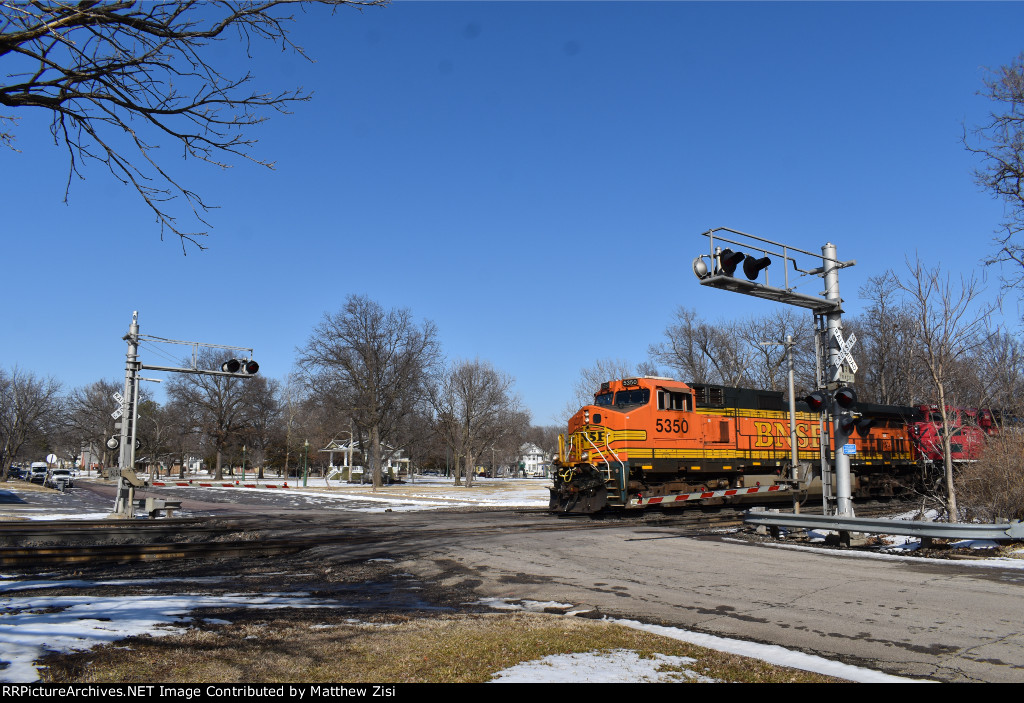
x,y
652,440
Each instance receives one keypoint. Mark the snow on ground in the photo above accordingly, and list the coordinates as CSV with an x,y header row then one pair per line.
x,y
427,492
772,654
618,666
32,626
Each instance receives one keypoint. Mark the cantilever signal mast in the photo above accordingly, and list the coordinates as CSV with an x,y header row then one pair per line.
x,y
127,410
718,271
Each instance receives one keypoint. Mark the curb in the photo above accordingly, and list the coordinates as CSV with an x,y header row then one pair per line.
x,y
204,484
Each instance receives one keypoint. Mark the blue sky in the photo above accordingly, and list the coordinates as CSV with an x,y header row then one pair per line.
x,y
533,177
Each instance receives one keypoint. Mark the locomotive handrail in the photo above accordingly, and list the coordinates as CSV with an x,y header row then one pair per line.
x,y
610,451
622,466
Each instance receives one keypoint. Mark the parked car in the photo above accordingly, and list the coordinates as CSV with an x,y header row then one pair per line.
x,y
37,472
15,472
57,476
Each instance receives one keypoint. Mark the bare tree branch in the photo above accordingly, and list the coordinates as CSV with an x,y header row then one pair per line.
x,y
121,79
1000,143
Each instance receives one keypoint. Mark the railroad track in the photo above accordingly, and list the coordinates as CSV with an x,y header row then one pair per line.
x,y
124,553
96,542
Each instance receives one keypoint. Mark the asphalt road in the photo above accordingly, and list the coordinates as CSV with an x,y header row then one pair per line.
x,y
947,621
940,620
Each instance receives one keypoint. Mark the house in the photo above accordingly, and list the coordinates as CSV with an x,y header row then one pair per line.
x,y
395,464
533,462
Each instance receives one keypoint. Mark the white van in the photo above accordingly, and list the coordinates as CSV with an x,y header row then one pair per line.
x,y
37,472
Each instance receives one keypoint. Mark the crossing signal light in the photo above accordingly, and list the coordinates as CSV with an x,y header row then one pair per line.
x,y
864,425
244,367
846,397
816,401
728,260
847,422
752,267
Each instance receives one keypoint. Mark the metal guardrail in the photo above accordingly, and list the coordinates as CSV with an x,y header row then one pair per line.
x,y
867,525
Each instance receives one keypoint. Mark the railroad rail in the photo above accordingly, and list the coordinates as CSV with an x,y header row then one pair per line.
x,y
96,542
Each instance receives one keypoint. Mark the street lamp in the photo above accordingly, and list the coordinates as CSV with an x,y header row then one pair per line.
x,y
305,462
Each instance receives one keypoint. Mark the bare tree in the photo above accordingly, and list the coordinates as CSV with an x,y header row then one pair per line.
x,y
1000,143
121,79
699,352
763,339
379,359
186,425
590,380
156,432
30,409
886,334
734,353
950,324
476,409
265,412
219,402
998,367
89,418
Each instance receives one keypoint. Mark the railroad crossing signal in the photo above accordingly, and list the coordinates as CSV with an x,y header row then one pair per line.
x,y
244,367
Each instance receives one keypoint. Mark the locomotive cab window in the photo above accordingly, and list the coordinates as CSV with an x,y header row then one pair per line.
x,y
603,398
638,396
674,400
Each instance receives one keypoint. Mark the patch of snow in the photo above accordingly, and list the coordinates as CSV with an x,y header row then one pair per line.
x,y
617,666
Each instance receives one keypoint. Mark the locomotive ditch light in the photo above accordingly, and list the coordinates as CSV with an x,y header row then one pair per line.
x,y
752,267
728,260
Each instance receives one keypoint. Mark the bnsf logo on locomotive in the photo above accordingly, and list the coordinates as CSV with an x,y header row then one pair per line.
x,y
776,435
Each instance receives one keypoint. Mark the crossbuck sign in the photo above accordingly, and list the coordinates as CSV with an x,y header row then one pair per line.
x,y
844,352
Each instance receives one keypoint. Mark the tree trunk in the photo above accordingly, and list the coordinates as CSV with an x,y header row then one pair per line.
x,y
947,459
376,461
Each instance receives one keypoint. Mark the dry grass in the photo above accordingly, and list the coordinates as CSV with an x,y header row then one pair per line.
x,y
992,489
465,648
17,485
